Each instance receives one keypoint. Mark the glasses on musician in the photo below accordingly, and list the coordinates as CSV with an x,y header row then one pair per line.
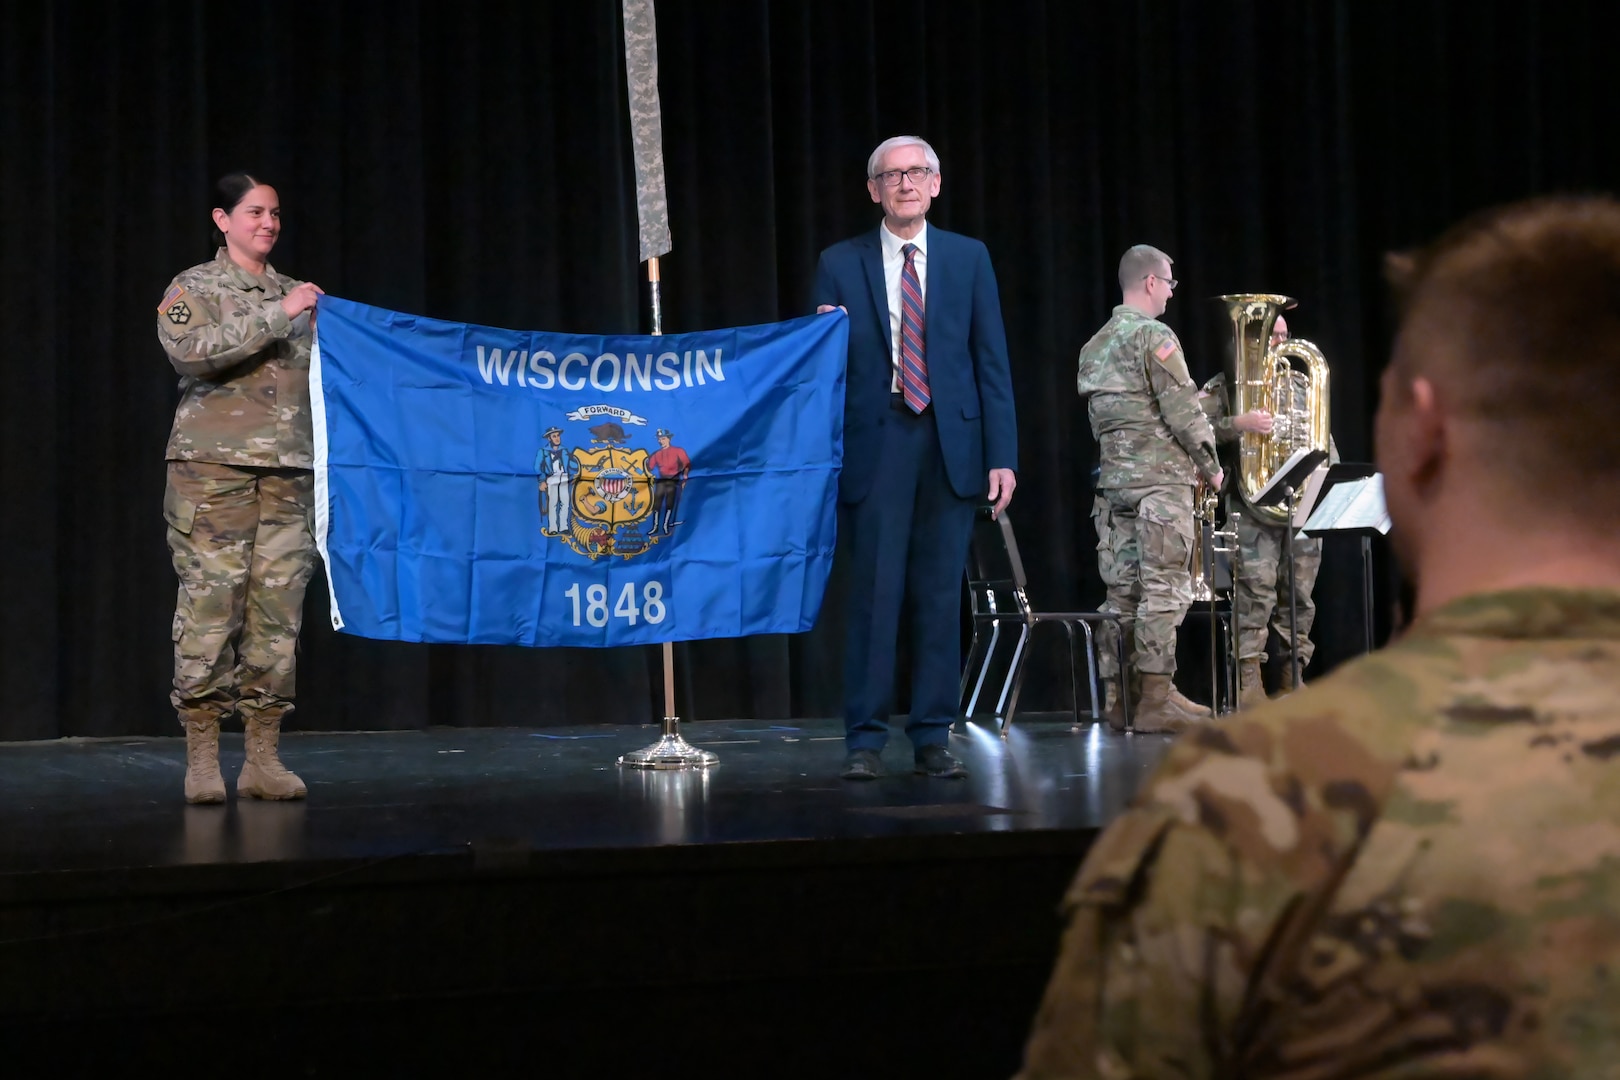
x,y
916,174
1170,281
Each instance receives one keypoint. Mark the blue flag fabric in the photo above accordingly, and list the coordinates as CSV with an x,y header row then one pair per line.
x,y
485,486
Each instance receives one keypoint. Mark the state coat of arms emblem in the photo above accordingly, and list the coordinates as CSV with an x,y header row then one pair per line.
x,y
606,497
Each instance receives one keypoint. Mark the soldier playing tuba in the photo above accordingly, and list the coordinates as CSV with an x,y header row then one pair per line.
x,y
1276,396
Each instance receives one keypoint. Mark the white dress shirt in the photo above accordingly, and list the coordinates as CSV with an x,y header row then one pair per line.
x,y
894,262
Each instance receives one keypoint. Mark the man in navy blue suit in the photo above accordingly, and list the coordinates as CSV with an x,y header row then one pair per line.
x,y
930,434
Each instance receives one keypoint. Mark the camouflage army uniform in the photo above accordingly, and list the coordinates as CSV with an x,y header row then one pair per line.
x,y
1410,869
240,491
1154,443
1260,594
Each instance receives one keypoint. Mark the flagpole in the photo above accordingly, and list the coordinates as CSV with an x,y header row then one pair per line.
x,y
652,212
671,721
670,751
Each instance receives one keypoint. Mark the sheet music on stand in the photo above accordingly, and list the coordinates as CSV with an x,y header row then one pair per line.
x,y
1304,472
1351,506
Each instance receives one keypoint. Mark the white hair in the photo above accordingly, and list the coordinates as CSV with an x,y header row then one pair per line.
x,y
895,143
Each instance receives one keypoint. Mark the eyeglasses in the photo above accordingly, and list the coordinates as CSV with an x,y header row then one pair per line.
x,y
916,174
1170,281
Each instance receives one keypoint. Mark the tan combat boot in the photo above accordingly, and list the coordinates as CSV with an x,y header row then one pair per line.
x,y
1188,705
1251,686
1157,711
263,774
203,782
1113,708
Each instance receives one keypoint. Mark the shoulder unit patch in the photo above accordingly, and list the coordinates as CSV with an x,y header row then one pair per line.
x,y
174,306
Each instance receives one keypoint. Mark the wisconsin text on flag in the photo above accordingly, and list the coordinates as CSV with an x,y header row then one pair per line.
x,y
608,373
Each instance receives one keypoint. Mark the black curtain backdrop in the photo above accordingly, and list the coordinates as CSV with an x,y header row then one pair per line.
x,y
471,161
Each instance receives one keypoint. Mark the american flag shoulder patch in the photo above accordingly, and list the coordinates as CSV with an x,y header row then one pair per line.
x,y
1166,350
174,306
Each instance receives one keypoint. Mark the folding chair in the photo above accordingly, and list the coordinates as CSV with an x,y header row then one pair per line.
x,y
998,593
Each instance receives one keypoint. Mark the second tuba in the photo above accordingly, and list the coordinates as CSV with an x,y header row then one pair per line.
x,y
1264,376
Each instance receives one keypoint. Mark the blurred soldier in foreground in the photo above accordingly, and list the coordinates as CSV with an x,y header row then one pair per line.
x,y
1409,869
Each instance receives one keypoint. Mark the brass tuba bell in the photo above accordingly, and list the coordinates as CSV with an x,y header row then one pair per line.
x,y
1263,377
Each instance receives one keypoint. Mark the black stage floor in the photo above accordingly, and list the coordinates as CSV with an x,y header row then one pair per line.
x,y
511,900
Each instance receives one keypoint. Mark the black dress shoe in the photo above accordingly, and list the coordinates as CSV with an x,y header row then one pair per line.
x,y
940,762
862,765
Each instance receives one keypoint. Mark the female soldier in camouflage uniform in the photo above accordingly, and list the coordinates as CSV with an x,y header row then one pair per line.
x,y
240,491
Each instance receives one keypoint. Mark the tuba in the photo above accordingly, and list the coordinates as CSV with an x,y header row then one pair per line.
x,y
1263,377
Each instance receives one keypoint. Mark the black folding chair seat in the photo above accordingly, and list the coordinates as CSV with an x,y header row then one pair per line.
x,y
999,594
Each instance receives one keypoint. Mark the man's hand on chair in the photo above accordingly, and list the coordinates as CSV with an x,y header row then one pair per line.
x,y
1002,482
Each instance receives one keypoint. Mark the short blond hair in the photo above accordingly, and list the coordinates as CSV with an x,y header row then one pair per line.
x,y
1137,263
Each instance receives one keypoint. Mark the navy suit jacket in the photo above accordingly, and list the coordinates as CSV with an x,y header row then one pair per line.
x,y
969,379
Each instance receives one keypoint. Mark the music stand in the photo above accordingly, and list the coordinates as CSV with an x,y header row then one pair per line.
x,y
1297,474
1352,503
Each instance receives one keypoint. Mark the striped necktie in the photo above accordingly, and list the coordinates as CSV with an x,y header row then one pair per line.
x,y
913,353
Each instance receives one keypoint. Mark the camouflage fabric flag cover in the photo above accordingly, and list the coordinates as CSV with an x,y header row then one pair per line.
x,y
646,131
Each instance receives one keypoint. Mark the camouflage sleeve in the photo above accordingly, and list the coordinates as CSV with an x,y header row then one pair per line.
x,y
1179,405
1086,373
1212,396
207,331
1132,993
1193,913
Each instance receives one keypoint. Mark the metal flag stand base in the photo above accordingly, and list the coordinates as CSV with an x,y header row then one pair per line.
x,y
670,751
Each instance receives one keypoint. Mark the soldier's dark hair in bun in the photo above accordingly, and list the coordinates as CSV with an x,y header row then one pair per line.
x,y
229,191
232,188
